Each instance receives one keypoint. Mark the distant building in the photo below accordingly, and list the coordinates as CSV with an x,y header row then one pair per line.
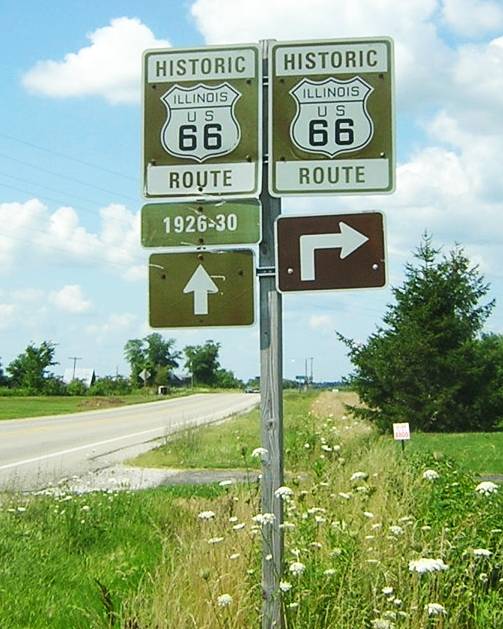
x,y
86,375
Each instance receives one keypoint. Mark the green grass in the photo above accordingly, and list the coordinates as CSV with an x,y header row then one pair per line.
x,y
70,562
147,561
229,444
476,452
39,406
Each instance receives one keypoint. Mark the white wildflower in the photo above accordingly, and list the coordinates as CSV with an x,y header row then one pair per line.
x,y
387,590
316,545
382,623
215,540
226,483
264,518
396,530
307,446
397,602
268,557
293,605
326,448
314,510
481,552
486,487
359,476
285,586
224,600
426,528
287,525
425,564
206,515
329,572
234,556
297,568
86,508
233,518
284,493
260,453
344,495
238,527
435,609
430,475
368,514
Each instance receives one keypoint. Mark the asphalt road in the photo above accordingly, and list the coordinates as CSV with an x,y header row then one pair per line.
x,y
35,453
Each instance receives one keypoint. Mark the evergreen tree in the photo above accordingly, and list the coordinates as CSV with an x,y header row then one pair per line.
x,y
425,365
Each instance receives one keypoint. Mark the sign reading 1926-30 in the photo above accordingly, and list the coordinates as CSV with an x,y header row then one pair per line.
x,y
331,117
202,122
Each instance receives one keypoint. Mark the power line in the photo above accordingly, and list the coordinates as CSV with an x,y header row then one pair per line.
x,y
68,177
56,200
66,156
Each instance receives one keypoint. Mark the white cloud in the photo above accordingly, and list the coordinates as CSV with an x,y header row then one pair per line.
x,y
70,299
478,82
59,238
322,322
7,313
473,17
110,67
19,221
115,324
418,46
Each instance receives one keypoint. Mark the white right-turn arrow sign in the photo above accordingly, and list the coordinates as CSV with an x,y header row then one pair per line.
x,y
347,240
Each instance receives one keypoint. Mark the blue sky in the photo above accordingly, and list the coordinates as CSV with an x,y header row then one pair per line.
x,y
71,266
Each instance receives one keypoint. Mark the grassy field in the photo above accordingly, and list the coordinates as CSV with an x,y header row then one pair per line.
x,y
374,539
481,452
39,406
230,444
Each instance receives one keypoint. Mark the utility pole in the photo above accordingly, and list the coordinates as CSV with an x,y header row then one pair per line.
x,y
75,359
271,386
311,377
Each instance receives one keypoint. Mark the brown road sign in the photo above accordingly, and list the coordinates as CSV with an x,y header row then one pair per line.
x,y
331,117
330,252
201,289
202,122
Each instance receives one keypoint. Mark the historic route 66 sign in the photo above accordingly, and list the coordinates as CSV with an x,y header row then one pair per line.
x,y
331,117
202,122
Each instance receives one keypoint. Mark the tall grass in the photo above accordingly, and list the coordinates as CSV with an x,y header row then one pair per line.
x,y
359,514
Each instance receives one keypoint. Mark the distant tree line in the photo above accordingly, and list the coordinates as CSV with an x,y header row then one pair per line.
x,y
152,360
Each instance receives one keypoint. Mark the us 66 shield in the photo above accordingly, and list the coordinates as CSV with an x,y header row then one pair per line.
x,y
202,122
331,117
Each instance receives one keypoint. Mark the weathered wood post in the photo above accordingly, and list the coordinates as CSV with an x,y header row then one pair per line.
x,y
271,386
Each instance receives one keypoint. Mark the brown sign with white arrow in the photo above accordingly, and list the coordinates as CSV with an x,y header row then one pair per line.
x,y
330,252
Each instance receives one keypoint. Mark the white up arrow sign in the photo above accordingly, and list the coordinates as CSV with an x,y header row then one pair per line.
x,y
200,284
348,240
